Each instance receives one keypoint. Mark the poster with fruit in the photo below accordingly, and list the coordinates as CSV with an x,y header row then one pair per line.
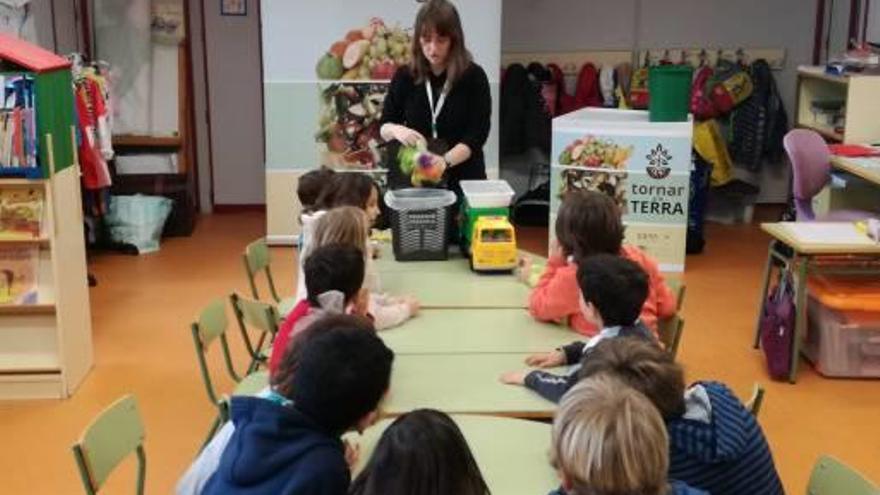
x,y
369,53
348,127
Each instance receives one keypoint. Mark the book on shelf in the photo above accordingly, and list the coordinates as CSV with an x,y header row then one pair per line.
x,y
21,213
18,275
18,129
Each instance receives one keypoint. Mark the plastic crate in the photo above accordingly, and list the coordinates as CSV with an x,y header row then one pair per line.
x,y
420,223
487,193
843,343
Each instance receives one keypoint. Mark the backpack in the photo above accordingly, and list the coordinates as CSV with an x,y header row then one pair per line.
x,y
587,92
732,86
777,327
701,106
533,208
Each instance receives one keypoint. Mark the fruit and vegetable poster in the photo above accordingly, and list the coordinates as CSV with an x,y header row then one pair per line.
x,y
643,166
327,66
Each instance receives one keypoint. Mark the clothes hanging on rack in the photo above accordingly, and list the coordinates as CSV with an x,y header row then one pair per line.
x,y
91,95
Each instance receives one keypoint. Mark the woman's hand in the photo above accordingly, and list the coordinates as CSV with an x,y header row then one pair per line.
x,y
407,136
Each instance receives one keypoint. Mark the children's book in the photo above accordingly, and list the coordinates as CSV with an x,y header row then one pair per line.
x,y
18,275
21,212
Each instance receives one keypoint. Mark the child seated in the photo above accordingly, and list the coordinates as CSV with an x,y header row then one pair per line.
x,y
349,189
610,439
349,225
421,453
716,444
308,189
335,276
613,291
589,223
290,443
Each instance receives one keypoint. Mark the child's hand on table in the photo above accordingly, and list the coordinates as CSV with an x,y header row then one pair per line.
x,y
413,305
546,359
514,377
524,268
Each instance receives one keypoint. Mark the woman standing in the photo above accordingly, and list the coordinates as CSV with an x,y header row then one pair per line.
x,y
441,100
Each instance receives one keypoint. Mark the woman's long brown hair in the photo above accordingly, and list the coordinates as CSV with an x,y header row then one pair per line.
x,y
442,17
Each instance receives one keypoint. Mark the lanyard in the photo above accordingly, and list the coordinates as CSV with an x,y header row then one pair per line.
x,y
435,111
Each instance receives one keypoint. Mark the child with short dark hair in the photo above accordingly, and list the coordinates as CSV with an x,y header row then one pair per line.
x,y
310,185
610,439
589,223
334,275
716,444
613,290
290,444
422,452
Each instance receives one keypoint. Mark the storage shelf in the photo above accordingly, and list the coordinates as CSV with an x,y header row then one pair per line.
x,y
27,309
43,242
814,74
134,141
9,181
30,362
826,132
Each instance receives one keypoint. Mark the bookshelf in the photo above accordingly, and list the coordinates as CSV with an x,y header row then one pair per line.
x,y
857,97
45,320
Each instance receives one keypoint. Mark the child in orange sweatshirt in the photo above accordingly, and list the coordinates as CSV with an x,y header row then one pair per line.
x,y
589,223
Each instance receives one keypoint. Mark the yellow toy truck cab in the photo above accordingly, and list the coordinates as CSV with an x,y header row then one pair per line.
x,y
493,247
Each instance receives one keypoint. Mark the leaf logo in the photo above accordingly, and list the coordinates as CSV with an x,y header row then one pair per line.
x,y
658,162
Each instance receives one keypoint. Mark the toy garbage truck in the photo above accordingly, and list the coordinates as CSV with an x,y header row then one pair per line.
x,y
487,236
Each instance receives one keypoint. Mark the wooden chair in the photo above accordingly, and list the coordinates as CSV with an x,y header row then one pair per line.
x,y
211,326
832,477
260,316
670,331
755,401
257,259
111,437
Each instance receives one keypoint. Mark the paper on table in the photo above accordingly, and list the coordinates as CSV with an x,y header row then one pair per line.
x,y
866,162
827,233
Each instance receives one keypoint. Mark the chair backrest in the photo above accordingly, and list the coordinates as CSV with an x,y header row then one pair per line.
x,y
257,314
832,477
811,167
111,437
756,400
670,330
211,325
256,259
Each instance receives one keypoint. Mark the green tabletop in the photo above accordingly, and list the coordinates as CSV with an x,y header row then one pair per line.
x,y
462,383
468,331
512,453
386,263
458,289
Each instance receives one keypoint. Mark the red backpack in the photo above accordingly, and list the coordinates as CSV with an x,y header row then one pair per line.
x,y
702,105
587,92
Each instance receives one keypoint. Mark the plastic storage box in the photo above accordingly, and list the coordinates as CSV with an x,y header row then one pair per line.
x,y
843,343
420,223
487,193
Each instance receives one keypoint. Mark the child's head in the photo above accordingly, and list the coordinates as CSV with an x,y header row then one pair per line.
x,y
334,268
342,371
609,439
311,184
421,453
351,189
613,289
282,379
346,225
643,366
588,223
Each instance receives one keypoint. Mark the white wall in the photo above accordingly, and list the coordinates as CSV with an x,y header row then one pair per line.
x,y
573,25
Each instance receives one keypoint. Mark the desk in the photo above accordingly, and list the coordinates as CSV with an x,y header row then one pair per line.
x,y
462,383
866,168
512,453
469,331
457,288
845,250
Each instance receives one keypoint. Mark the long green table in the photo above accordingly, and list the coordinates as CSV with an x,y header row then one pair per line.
x,y
462,383
458,289
470,331
512,454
